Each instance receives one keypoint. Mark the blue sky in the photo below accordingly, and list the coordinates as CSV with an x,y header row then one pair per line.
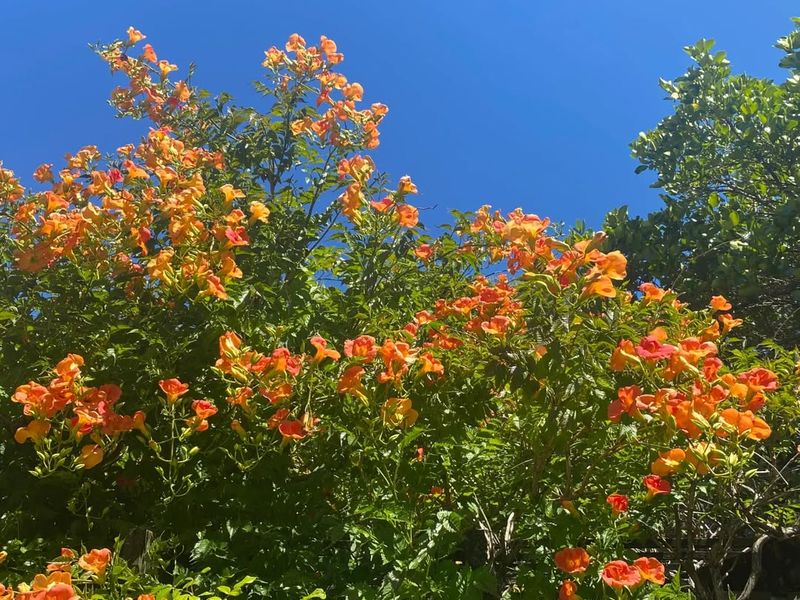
x,y
526,103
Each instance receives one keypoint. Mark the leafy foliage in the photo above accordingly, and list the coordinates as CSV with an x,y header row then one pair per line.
x,y
727,162
237,366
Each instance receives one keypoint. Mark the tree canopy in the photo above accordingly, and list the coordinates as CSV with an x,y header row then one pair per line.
x,y
727,161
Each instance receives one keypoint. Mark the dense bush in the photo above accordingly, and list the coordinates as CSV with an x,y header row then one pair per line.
x,y
237,365
726,163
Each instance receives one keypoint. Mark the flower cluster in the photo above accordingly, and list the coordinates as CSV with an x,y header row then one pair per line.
x,y
10,187
520,239
706,405
273,377
356,171
203,410
67,413
69,577
300,68
103,213
149,91
490,311
617,574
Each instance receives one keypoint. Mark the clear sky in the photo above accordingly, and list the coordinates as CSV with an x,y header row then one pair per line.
x,y
526,103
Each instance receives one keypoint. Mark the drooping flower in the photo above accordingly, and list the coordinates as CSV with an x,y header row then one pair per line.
x,y
626,402
363,347
652,293
34,431
70,367
650,569
728,322
351,199
203,410
572,560
282,361
406,186
407,215
745,423
173,388
350,381
241,396
273,58
292,430
618,503
328,47
230,193
277,418
382,205
397,412
618,574
430,364
622,355
134,35
668,462
165,68
91,456
43,173
424,252
599,286
396,357
613,264
496,326
322,350
258,212
278,393
354,92
656,486
236,236
568,590
149,54
650,348
719,303
295,43
95,561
